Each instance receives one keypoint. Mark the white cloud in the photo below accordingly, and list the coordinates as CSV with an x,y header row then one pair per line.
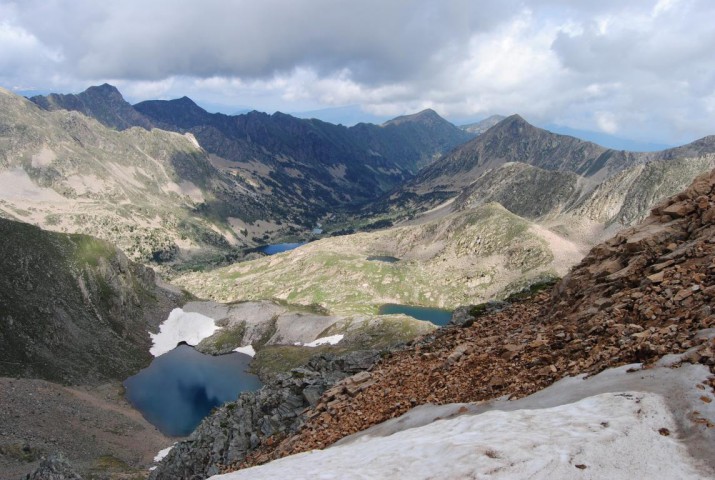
x,y
649,63
607,122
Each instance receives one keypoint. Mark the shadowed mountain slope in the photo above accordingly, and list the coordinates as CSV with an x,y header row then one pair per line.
x,y
74,309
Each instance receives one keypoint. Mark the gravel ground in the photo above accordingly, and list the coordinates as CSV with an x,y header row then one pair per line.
x,y
94,427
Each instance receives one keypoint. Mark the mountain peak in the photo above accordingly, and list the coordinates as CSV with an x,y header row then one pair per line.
x,y
104,89
427,116
515,119
185,101
103,102
513,125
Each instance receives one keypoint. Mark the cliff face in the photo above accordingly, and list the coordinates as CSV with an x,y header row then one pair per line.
x,y
73,308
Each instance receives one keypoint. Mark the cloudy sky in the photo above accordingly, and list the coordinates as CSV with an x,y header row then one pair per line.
x,y
639,69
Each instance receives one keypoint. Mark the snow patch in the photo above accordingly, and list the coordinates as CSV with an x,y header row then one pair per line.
x,y
162,454
612,435
331,340
189,327
248,350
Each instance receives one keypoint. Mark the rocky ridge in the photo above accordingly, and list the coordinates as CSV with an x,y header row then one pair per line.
x,y
475,170
275,411
555,197
646,293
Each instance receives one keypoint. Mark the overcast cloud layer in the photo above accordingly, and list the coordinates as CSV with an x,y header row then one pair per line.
x,y
638,69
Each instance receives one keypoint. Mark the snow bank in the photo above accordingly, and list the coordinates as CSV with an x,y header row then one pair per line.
x,y
611,435
162,453
181,326
332,340
248,350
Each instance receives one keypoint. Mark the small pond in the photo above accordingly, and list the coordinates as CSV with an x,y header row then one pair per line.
x,y
181,387
383,258
438,316
279,248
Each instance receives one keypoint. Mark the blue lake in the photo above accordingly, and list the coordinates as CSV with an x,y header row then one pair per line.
x,y
181,387
437,316
383,258
279,248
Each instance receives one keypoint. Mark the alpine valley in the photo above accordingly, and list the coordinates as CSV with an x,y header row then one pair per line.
x,y
579,281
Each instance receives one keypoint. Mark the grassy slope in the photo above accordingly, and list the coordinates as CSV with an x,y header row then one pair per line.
x,y
465,258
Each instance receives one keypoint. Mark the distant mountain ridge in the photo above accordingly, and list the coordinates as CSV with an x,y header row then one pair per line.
x,y
103,102
306,164
513,140
477,128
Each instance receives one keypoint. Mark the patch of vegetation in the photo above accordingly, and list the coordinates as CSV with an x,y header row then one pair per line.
x,y
52,219
224,340
109,466
21,452
90,250
274,359
529,288
315,308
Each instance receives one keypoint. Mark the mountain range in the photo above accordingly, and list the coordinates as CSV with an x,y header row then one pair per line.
x,y
539,174
249,179
457,216
310,161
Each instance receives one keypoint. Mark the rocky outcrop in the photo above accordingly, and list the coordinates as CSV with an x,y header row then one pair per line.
x,y
54,467
646,293
258,418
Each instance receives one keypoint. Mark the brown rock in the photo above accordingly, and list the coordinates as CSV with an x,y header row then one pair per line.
x,y
682,294
656,277
679,210
702,202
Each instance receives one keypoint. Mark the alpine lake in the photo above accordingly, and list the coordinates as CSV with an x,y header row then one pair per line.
x,y
181,387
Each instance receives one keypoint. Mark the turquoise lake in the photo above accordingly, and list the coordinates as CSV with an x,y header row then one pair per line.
x,y
438,316
279,248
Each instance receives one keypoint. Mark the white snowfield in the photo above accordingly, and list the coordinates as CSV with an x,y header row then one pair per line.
x,y
181,326
614,435
248,350
332,340
162,453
